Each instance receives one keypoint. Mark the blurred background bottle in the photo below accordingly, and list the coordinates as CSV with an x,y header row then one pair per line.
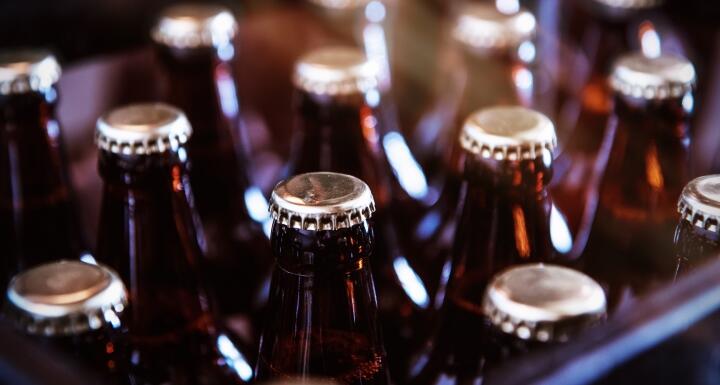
x,y
322,317
195,46
76,309
149,232
37,218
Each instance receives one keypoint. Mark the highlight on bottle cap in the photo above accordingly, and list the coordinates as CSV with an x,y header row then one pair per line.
x,y
508,132
65,298
23,71
483,26
321,201
139,129
699,202
340,4
631,4
335,71
662,77
194,26
543,302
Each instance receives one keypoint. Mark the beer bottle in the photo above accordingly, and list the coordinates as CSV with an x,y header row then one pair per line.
x,y
77,309
340,128
37,218
149,233
507,219
195,46
597,32
323,309
696,235
534,306
646,172
495,55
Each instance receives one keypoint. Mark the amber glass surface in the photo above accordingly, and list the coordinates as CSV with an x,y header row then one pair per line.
x,y
637,214
322,319
344,135
37,221
148,234
694,246
505,221
201,83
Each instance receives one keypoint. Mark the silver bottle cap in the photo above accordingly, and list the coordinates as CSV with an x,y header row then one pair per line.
x,y
321,201
543,302
65,298
23,71
340,4
194,26
699,202
639,76
139,129
508,132
335,71
631,4
482,26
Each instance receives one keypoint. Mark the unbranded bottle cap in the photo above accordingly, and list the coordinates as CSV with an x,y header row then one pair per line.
x,y
661,77
195,25
483,26
699,202
543,302
335,71
65,298
23,71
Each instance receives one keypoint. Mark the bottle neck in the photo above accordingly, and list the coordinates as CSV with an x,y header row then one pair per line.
x,y
323,320
149,233
340,134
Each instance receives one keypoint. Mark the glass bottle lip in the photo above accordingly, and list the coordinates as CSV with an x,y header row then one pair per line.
x,y
543,302
22,71
652,78
336,71
321,201
482,26
141,129
65,298
699,202
508,132
195,26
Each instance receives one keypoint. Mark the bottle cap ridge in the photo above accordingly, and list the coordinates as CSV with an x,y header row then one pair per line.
x,y
65,298
699,202
194,26
543,302
22,71
663,77
483,26
321,201
508,132
335,71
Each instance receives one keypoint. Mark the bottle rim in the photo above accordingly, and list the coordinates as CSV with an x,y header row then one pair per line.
x,y
652,78
482,26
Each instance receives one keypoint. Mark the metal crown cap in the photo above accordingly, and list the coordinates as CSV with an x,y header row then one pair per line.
x,y
27,70
335,71
195,25
639,76
65,298
340,4
483,26
631,4
543,302
699,202
508,132
321,201
139,129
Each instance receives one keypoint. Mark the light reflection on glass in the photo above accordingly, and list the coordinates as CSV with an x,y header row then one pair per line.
x,y
88,258
405,167
688,102
234,358
507,7
377,52
649,40
256,204
559,231
527,52
226,91
375,11
411,282
428,225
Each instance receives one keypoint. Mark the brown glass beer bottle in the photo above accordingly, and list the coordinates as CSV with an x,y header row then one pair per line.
x,y
696,235
323,308
340,128
507,219
195,46
76,309
647,170
37,218
534,306
149,234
